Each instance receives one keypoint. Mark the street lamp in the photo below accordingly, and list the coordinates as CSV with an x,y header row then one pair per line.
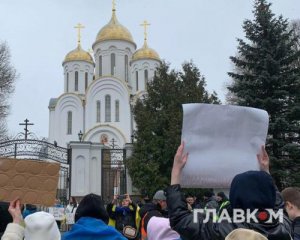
x,y
80,135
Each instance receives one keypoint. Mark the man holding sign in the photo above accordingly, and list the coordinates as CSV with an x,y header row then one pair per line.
x,y
254,198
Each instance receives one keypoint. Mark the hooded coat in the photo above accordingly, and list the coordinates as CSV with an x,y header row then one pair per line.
x,y
250,190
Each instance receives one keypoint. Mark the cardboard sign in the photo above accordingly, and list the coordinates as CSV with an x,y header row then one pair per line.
x,y
57,212
34,182
222,141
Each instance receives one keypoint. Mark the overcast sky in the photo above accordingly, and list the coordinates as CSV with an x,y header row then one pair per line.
x,y
41,32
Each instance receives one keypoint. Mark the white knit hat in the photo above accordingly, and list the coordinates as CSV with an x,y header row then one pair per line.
x,y
245,234
41,226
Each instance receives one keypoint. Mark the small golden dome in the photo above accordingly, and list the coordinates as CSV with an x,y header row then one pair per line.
x,y
145,53
114,31
78,54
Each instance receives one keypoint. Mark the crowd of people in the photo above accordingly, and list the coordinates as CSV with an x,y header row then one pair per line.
x,y
170,215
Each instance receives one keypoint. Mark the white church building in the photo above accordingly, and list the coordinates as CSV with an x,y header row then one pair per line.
x,y
99,93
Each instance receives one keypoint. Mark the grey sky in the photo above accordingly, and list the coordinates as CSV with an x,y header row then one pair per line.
x,y
41,33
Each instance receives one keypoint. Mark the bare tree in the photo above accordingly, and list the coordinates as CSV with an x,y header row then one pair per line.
x,y
8,77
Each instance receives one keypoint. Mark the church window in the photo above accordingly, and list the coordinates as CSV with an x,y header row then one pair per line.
x,y
112,64
98,109
69,123
146,77
100,65
126,68
86,80
67,82
117,109
107,109
137,80
76,81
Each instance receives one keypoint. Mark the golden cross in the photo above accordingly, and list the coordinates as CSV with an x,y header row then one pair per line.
x,y
145,24
79,26
113,5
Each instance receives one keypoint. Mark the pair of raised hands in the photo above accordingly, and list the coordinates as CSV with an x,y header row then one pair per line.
x,y
181,158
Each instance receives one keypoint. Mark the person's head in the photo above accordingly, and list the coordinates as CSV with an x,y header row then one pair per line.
x,y
252,190
161,199
190,199
159,228
41,225
125,202
291,197
91,205
208,195
245,234
221,197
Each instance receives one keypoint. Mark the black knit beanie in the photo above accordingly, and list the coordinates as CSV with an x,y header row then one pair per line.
x,y
91,206
252,190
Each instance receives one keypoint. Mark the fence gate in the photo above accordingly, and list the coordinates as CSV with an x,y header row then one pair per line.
x,y
43,151
113,173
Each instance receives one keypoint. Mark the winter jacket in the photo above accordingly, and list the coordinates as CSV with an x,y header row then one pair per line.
x,y
181,220
13,231
87,228
296,228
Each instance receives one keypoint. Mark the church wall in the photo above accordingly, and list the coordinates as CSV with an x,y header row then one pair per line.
x,y
117,91
120,48
82,67
141,66
67,103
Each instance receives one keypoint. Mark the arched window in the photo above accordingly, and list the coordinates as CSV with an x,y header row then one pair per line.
x,y
69,123
100,65
86,80
146,77
107,109
112,64
126,68
137,80
76,81
67,82
98,109
117,109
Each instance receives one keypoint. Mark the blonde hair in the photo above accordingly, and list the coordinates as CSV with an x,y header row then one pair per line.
x,y
245,234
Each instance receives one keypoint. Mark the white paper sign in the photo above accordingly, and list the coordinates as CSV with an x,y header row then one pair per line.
x,y
222,141
57,212
70,218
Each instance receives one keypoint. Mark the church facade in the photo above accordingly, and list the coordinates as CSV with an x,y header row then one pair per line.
x,y
100,91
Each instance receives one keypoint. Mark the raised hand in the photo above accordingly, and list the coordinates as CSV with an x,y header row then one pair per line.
x,y
263,160
15,211
180,160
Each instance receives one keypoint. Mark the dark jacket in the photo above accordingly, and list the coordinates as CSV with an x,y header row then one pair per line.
x,y
296,228
152,210
124,216
181,220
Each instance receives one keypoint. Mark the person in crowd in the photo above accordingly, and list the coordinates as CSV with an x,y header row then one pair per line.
x,y
291,197
245,234
250,190
124,218
209,200
191,201
159,229
223,203
29,209
91,221
39,225
5,217
157,208
72,206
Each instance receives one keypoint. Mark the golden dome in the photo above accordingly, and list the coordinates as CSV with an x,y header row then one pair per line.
x,y
78,54
114,31
145,53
